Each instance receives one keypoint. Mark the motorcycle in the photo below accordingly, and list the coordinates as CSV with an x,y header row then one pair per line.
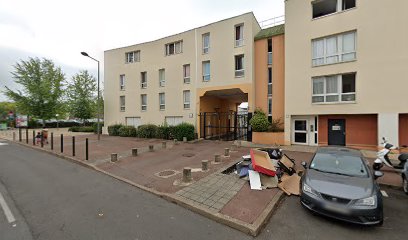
x,y
383,158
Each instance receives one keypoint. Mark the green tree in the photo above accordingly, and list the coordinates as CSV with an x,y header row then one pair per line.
x,y
41,88
81,94
5,109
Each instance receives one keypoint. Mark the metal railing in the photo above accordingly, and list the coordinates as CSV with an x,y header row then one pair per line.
x,y
272,22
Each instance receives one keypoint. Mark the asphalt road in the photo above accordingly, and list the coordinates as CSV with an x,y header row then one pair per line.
x,y
51,198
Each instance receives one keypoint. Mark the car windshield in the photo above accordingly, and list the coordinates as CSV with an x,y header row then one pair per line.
x,y
339,164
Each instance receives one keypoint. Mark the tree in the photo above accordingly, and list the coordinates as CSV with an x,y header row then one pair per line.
x,y
5,109
81,93
41,92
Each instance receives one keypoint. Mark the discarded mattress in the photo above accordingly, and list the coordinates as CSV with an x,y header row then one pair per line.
x,y
262,163
290,184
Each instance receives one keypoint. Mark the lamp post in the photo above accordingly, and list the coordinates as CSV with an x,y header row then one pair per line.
x,y
98,103
56,116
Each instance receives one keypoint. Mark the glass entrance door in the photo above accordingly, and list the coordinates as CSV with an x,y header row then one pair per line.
x,y
300,135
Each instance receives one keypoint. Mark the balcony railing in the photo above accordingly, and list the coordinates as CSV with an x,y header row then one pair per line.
x,y
272,22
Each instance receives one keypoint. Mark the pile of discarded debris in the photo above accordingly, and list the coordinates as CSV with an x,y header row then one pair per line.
x,y
269,168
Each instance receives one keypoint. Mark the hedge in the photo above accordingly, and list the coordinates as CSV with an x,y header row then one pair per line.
x,y
259,122
183,130
147,131
113,130
127,131
81,129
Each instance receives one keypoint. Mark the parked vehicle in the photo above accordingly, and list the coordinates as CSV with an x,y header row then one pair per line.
x,y
383,158
339,184
405,178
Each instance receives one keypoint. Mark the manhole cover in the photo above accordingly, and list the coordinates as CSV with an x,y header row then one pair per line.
x,y
188,155
167,173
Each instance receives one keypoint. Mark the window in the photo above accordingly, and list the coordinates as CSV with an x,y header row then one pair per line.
x,y
186,73
186,99
269,106
239,35
162,77
174,48
133,121
162,101
132,56
335,88
269,81
143,79
206,43
173,121
206,71
326,7
270,51
239,66
122,103
334,49
122,82
143,101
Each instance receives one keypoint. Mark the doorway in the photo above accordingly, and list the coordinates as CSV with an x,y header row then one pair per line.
x,y
300,135
337,132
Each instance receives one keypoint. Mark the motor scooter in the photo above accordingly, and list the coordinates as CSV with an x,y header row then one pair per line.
x,y
383,158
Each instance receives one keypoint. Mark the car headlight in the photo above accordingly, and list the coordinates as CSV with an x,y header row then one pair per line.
x,y
306,188
370,201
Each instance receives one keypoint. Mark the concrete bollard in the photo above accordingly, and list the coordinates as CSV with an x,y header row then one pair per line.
x,y
204,165
164,144
187,175
134,152
239,144
232,148
184,139
217,158
151,148
114,157
226,152
176,142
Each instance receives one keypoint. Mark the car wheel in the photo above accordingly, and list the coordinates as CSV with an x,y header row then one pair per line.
x,y
405,184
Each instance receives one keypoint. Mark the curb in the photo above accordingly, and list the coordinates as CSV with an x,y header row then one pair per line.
x,y
251,229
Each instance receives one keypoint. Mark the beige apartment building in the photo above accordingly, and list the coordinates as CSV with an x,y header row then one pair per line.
x,y
346,77
178,78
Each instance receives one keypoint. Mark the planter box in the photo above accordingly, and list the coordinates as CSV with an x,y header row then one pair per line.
x,y
268,138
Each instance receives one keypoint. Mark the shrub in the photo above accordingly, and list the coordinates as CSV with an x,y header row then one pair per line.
x,y
183,130
113,130
127,131
163,131
259,122
276,126
147,131
80,129
95,127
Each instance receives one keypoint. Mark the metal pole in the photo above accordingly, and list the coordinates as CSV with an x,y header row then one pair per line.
x,y
99,109
62,143
14,136
19,134
73,146
52,141
33,137
42,139
86,149
27,135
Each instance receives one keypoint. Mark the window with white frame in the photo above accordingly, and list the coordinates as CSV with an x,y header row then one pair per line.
x,y
132,56
133,121
173,120
162,77
269,81
186,99
162,101
143,102
239,66
206,43
174,48
239,35
206,71
143,79
334,49
122,82
122,103
334,88
269,51
326,7
186,73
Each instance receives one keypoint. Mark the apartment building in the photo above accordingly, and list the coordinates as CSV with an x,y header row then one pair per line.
x,y
346,72
181,77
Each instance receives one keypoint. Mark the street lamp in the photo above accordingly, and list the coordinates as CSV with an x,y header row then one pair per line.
x,y
98,104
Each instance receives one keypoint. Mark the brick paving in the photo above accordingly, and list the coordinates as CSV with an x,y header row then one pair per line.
x,y
213,192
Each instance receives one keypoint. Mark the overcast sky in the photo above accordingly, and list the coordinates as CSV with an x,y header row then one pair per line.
x,y
60,29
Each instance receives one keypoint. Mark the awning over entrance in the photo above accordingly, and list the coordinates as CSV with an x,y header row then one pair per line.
x,y
232,94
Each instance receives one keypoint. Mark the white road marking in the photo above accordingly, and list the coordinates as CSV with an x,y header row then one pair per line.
x,y
6,210
384,193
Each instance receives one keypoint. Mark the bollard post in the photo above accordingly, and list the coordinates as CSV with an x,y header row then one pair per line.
x,y
151,148
26,135
14,136
217,158
187,175
134,152
42,140
52,141
176,142
164,145
204,165
62,143
184,139
226,152
114,157
86,149
73,146
238,144
19,135
33,138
